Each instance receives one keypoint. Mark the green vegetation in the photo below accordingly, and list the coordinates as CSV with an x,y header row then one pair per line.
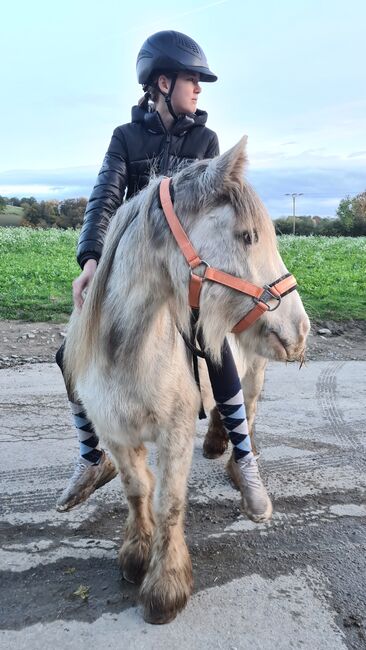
x,y
37,268
27,211
350,222
36,271
331,274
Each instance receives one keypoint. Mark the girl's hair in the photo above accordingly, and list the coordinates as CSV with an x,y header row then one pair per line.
x,y
148,100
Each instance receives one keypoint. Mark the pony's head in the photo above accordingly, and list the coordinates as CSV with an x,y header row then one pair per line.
x,y
231,230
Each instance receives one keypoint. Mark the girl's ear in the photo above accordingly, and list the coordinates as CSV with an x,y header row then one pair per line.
x,y
163,83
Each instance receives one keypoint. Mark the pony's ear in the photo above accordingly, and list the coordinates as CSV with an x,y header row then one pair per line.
x,y
228,169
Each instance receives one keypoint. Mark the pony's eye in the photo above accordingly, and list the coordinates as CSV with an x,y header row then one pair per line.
x,y
248,238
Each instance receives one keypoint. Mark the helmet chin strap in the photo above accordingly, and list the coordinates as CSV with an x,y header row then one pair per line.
x,y
168,97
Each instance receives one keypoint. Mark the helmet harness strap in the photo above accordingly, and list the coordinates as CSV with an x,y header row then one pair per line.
x,y
168,96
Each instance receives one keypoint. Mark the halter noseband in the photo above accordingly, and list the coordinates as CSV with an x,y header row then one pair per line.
x,y
261,295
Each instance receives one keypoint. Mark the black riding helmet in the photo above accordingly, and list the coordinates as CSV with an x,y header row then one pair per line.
x,y
171,52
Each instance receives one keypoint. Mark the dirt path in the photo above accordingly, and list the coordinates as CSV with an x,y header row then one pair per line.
x,y
295,582
23,342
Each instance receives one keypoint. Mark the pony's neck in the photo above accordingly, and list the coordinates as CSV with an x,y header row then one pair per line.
x,y
138,290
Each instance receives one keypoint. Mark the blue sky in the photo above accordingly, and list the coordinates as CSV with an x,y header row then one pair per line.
x,y
292,76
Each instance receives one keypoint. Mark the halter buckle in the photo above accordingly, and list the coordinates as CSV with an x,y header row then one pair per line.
x,y
268,295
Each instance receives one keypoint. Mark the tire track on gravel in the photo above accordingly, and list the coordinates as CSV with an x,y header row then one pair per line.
x,y
327,397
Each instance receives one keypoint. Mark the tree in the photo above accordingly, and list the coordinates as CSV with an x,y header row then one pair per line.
x,y
359,206
283,226
30,200
329,227
2,203
71,213
345,213
303,226
40,215
14,201
352,215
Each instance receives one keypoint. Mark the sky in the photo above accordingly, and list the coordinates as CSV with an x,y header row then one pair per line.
x,y
292,76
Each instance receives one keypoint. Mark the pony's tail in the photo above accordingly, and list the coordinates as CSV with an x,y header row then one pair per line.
x,y
84,327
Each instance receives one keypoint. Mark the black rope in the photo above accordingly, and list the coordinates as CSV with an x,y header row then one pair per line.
x,y
191,344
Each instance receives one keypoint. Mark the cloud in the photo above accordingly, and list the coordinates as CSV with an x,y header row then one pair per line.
x,y
64,176
319,158
46,184
323,187
357,154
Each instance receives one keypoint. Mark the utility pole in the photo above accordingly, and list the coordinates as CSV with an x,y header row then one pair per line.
x,y
294,195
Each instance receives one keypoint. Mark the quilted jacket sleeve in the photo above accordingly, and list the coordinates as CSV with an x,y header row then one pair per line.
x,y
105,199
213,147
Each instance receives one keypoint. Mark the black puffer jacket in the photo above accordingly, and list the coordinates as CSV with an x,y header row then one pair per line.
x,y
137,150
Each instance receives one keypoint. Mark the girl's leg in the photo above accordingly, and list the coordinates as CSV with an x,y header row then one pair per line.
x,y
90,451
229,399
93,468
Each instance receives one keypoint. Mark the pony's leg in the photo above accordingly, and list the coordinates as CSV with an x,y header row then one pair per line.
x,y
216,439
168,582
138,482
252,384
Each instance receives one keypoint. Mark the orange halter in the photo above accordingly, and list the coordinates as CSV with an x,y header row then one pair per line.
x,y
261,295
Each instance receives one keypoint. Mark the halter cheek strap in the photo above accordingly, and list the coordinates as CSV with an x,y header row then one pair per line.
x,y
261,295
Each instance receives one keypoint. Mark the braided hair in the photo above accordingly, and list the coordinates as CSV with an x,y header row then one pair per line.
x,y
151,93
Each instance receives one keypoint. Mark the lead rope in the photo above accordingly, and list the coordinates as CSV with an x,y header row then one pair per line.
x,y
191,344
196,352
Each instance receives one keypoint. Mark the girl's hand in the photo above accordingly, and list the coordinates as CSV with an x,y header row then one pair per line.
x,y
81,283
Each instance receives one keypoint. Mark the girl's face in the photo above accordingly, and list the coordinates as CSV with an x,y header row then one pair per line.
x,y
185,93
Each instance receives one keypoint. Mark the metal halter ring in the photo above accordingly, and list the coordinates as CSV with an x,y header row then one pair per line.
x,y
206,264
268,295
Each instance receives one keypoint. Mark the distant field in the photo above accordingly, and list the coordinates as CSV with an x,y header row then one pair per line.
x,y
38,266
11,216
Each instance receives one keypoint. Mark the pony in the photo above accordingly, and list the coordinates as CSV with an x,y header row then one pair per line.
x,y
126,359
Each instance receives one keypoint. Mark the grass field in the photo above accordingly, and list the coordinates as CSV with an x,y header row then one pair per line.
x,y
331,274
36,271
38,266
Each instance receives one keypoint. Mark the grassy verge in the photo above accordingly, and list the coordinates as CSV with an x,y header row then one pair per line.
x,y
38,266
36,271
331,274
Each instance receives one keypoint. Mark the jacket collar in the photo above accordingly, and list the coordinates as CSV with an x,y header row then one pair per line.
x,y
153,122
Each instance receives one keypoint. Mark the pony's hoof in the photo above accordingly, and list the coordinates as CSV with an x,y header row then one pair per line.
x,y
216,440
133,575
164,595
155,616
214,447
133,561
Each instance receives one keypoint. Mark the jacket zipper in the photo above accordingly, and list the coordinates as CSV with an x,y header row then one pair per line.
x,y
166,154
